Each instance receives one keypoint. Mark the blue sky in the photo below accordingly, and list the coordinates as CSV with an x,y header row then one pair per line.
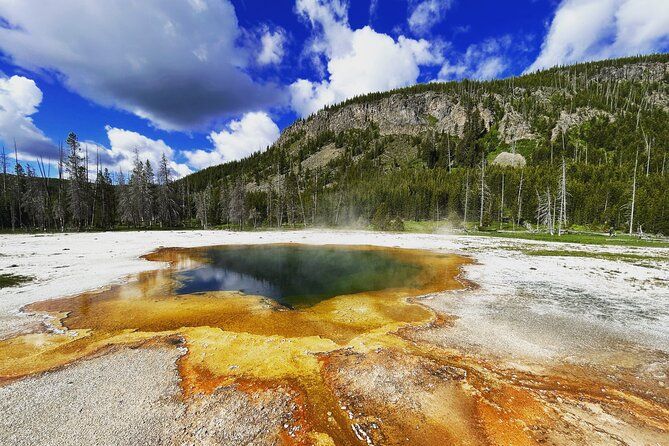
x,y
207,81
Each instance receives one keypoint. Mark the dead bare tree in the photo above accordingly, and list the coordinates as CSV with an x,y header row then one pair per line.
x,y
237,205
562,198
315,198
545,215
16,196
448,148
60,206
45,173
520,197
299,195
648,148
202,204
501,204
485,192
279,205
464,219
3,161
636,163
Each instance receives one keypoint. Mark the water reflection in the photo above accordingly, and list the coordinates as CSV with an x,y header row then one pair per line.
x,y
213,278
296,276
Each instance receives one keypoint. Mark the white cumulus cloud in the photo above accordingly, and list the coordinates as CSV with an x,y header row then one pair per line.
x,y
583,30
357,61
271,46
179,64
20,98
481,61
123,144
425,14
253,132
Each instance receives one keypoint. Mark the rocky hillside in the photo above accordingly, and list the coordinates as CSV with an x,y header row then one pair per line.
x,y
503,105
429,144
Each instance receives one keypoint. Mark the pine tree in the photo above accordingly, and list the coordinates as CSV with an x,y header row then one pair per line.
x,y
59,212
104,212
224,200
77,192
33,201
202,205
237,205
148,201
136,192
166,205
124,200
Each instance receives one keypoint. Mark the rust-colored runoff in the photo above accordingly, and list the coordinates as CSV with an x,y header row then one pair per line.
x,y
355,370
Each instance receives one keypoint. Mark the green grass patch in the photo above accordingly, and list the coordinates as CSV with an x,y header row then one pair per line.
x,y
595,255
424,227
582,238
9,280
431,120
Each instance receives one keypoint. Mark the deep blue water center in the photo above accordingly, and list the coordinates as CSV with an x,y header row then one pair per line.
x,y
297,275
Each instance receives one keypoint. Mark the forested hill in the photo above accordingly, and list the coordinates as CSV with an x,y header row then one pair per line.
x,y
570,147
421,152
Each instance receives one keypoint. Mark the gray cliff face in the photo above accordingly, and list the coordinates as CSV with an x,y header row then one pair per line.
x,y
410,113
514,127
399,113
644,71
581,115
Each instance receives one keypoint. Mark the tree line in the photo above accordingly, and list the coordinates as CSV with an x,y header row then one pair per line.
x,y
553,197
606,172
75,201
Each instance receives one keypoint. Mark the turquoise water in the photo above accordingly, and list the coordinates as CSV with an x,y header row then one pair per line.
x,y
297,275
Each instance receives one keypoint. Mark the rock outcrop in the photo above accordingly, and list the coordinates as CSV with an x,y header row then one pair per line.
x,y
644,71
508,159
399,113
581,115
513,127
406,112
322,157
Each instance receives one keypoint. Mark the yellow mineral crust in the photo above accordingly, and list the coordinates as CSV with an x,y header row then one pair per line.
x,y
360,377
